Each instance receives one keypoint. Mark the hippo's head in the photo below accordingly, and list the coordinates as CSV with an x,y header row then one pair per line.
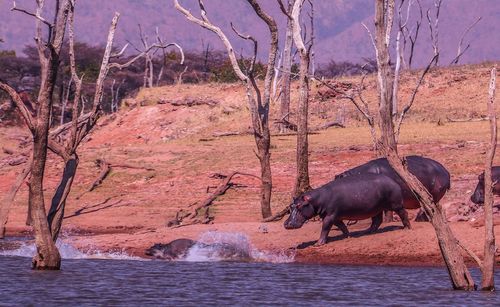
x,y
158,251
170,251
478,195
300,211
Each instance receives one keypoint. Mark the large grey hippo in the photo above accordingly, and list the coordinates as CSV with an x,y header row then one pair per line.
x,y
431,173
354,197
478,195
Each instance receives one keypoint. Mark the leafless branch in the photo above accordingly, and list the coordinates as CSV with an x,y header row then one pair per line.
x,y
460,52
36,15
414,94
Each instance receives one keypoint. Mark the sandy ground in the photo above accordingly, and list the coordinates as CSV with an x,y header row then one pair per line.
x,y
130,210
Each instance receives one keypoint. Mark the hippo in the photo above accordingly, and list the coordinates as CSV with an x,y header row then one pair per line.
x,y
354,197
478,196
432,174
178,249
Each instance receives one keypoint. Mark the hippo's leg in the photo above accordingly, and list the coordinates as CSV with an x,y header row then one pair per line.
x,y
340,224
376,222
404,217
421,216
328,222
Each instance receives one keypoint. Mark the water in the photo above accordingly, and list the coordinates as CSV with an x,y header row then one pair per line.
x,y
202,278
130,283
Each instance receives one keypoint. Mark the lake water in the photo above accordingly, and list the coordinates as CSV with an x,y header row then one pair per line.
x,y
93,282
94,278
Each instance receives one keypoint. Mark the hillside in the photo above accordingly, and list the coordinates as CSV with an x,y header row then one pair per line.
x,y
182,144
339,33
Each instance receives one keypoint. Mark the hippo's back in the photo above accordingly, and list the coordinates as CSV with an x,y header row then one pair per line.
x,y
431,173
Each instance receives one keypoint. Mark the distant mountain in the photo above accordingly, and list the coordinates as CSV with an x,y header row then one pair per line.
x,y
339,33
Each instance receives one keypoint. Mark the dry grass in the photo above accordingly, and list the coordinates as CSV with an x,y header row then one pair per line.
x,y
169,139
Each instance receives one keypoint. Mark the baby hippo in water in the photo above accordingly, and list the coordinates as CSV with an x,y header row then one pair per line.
x,y
355,197
178,249
171,251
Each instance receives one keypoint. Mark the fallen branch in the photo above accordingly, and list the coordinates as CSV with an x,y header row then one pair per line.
x,y
463,120
13,161
330,124
190,102
278,216
227,133
126,165
105,170
193,215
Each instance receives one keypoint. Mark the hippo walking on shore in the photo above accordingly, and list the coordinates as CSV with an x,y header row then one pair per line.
x,y
478,195
433,175
354,197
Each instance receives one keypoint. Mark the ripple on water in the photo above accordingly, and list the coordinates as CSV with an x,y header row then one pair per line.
x,y
208,249
68,251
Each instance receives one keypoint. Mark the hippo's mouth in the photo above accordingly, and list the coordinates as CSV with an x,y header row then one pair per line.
x,y
295,220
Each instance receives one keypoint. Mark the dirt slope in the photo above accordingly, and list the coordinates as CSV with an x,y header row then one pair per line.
x,y
132,206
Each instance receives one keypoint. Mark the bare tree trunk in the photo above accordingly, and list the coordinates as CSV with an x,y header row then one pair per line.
x,y
302,180
488,267
9,198
458,272
258,103
47,256
56,212
286,68
263,146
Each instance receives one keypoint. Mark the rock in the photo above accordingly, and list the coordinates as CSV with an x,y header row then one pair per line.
x,y
263,228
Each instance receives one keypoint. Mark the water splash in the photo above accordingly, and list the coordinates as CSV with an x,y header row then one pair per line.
x,y
68,251
230,246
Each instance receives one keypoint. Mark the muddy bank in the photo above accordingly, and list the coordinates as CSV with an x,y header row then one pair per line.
x,y
391,245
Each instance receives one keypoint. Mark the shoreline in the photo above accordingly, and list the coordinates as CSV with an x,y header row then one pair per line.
x,y
390,246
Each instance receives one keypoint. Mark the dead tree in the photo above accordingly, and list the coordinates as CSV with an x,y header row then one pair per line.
x,y
115,95
461,52
488,264
286,67
65,139
165,58
412,34
258,100
459,274
434,28
302,158
47,256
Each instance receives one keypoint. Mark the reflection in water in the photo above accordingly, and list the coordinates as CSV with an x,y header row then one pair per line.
x,y
121,282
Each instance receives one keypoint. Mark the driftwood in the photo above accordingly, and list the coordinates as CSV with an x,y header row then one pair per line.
x,y
463,120
106,168
190,102
327,125
227,133
13,161
198,207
